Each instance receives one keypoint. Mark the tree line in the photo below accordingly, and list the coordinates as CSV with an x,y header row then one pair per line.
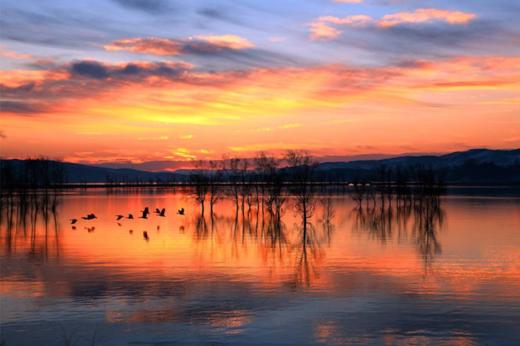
x,y
266,182
30,188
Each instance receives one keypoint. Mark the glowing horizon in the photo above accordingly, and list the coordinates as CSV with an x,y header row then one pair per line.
x,y
135,81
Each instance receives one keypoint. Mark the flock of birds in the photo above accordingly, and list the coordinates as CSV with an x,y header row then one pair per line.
x,y
144,215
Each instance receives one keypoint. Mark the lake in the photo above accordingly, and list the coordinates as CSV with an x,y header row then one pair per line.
x,y
393,275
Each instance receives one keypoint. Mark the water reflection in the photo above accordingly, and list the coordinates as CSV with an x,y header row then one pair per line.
x,y
31,217
36,228
298,245
420,221
345,274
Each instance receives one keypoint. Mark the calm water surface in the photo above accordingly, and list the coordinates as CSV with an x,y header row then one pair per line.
x,y
392,276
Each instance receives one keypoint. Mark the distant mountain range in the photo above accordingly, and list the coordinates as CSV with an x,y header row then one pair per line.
x,y
502,158
175,165
476,166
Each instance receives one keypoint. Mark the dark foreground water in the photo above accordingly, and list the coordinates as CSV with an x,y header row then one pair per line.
x,y
375,276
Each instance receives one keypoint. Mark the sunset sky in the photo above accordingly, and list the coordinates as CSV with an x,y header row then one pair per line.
x,y
136,80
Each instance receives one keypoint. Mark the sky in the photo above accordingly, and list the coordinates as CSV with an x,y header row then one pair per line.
x,y
170,80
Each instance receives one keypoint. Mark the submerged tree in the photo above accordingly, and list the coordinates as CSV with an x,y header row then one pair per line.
x,y
301,167
232,171
244,187
200,184
214,179
272,180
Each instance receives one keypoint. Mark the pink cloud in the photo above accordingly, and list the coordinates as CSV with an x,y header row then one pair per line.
x,y
425,15
170,47
325,27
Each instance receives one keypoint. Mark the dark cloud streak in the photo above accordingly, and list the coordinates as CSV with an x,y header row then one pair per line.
x,y
90,69
19,107
433,41
213,54
60,28
148,6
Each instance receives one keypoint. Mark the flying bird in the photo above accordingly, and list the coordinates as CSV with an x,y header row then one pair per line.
x,y
145,235
180,211
130,216
119,217
161,212
145,212
89,217
73,221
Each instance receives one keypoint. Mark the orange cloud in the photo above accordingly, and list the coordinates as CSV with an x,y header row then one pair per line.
x,y
171,47
10,54
235,110
359,20
184,153
322,29
226,41
424,15
184,88
152,45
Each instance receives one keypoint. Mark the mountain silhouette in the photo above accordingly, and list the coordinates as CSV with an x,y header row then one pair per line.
x,y
474,166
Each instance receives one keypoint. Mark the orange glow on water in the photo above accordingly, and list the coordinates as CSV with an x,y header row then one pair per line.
x,y
218,273
244,248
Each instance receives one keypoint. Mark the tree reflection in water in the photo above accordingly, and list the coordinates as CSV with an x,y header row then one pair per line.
x,y
429,218
421,220
308,256
32,217
279,247
284,240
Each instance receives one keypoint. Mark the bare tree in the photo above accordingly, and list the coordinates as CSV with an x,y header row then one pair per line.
x,y
359,192
213,181
233,173
200,184
272,182
245,186
301,167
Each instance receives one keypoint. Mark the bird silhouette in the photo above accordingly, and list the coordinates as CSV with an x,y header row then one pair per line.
x,y
130,216
119,217
145,212
180,211
157,211
89,217
145,235
161,212
73,221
